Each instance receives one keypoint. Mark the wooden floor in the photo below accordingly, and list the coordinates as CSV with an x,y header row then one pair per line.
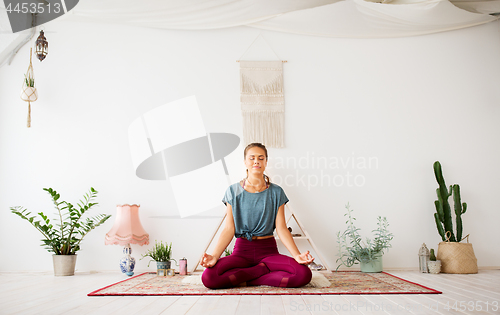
x,y
42,293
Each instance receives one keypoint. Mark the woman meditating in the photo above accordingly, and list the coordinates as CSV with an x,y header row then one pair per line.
x,y
255,207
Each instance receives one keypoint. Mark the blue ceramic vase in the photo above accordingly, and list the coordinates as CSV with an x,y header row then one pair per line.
x,y
127,263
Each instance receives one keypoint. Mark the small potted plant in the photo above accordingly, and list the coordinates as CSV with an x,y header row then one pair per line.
x,y
353,250
63,235
29,93
433,264
161,253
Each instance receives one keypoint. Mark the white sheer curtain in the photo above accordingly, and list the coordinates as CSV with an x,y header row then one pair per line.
x,y
334,18
365,19
190,14
478,6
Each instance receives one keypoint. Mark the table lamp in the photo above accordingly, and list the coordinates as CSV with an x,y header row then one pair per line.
x,y
127,230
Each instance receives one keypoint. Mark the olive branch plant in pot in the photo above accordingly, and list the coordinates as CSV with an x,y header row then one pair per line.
x,y
63,235
368,253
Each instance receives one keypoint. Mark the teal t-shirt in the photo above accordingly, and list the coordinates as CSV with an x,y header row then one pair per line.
x,y
254,213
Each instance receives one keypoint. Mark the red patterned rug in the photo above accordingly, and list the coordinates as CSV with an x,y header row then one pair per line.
x,y
346,282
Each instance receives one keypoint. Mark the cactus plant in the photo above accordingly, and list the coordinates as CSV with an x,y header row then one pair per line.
x,y
432,257
442,216
460,209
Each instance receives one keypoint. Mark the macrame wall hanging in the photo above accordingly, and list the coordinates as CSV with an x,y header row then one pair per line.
x,y
262,102
29,93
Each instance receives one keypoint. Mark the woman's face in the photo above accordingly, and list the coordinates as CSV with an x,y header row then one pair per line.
x,y
256,161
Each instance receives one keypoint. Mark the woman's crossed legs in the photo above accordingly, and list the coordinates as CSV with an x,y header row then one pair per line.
x,y
273,270
230,271
284,272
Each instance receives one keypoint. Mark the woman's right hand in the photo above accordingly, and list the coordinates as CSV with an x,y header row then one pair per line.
x,y
208,261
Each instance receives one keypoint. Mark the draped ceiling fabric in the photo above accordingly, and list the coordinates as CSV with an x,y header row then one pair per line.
x,y
190,14
365,19
329,18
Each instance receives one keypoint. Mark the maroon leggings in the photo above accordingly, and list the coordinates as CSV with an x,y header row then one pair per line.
x,y
256,262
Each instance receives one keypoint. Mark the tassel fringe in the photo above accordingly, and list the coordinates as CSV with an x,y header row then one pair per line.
x,y
29,114
265,127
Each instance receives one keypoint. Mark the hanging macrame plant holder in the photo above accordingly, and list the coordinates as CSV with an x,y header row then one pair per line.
x,y
28,91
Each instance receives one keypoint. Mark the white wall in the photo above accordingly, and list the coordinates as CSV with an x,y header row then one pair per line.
x,y
402,102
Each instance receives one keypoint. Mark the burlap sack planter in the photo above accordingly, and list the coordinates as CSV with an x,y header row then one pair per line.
x,y
457,257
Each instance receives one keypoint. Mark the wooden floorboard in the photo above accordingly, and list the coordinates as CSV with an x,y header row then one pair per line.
x,y
42,293
271,305
226,305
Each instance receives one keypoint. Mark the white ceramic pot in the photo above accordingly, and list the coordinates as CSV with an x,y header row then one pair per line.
x,y
29,94
373,266
434,266
64,265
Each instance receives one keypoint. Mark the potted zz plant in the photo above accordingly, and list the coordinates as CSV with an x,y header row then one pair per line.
x,y
161,253
352,249
63,238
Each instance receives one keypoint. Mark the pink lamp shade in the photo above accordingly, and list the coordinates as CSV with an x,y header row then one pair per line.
x,y
127,228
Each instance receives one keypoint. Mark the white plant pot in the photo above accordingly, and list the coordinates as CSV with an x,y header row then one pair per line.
x,y
434,266
29,94
373,266
64,265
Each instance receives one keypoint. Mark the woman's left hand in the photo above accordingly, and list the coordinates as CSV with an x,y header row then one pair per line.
x,y
304,258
